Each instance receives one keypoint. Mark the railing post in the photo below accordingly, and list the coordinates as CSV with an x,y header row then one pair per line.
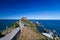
x,y
14,26
6,29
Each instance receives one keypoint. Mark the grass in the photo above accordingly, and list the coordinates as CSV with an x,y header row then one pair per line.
x,y
11,27
1,35
31,27
16,25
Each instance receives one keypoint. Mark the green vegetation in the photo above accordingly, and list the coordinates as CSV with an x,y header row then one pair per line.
x,y
1,34
14,24
32,27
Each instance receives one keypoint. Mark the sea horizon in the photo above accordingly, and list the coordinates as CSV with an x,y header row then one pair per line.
x,y
49,24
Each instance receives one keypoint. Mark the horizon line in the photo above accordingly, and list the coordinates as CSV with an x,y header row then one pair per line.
x,y
27,18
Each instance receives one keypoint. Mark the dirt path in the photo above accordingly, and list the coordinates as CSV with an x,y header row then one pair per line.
x,y
28,34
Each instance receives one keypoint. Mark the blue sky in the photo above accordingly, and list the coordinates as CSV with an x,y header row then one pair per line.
x,y
32,9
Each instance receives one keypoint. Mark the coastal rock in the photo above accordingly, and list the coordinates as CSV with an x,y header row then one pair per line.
x,y
46,30
37,23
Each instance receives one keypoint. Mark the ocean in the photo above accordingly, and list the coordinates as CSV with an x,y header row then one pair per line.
x,y
49,24
6,22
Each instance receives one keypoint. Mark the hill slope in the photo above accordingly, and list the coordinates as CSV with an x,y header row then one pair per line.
x,y
28,34
29,31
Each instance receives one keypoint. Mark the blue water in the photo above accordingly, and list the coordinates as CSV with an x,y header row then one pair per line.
x,y
5,22
50,24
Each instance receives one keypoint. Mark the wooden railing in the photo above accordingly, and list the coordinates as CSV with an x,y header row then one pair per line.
x,y
13,34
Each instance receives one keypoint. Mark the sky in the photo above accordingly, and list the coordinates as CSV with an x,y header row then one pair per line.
x,y
32,9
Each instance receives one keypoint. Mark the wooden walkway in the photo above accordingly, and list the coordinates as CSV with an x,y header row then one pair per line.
x,y
12,35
